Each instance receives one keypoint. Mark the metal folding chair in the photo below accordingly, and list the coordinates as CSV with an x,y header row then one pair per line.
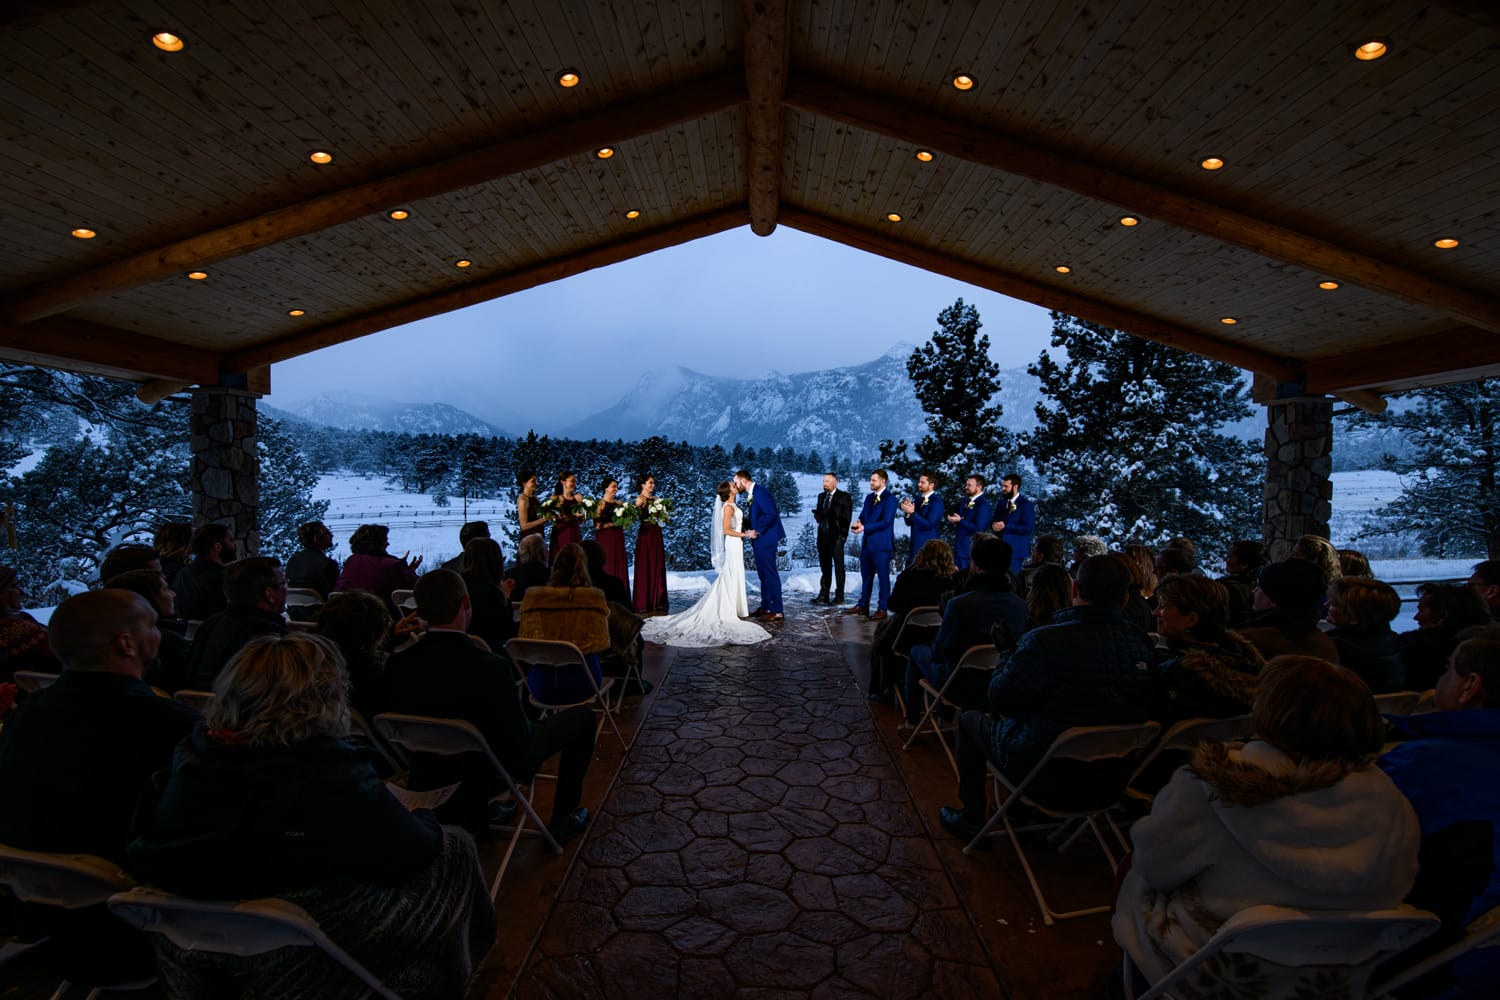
x,y
929,617
404,600
982,658
1398,702
198,701
558,655
1482,932
32,681
1185,735
303,597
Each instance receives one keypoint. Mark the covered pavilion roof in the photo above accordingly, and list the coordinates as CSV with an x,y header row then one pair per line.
x,y
1317,235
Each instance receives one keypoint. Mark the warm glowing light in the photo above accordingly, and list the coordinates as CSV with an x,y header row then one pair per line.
x,y
1328,286
568,78
1063,269
925,155
1446,243
893,216
84,234
1373,49
1229,321
197,275
463,263
320,157
167,42
400,214
1130,220
963,81
295,312
1212,163
633,214
604,152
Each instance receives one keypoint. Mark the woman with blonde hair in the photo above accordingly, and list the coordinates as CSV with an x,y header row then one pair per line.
x,y
568,609
268,798
1321,553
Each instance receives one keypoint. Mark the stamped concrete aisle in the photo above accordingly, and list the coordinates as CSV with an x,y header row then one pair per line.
x,y
759,842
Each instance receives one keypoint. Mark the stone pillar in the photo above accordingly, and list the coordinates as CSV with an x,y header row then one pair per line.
x,y
1298,493
225,464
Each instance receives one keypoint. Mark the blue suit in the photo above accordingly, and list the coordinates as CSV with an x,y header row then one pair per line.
x,y
975,512
925,523
1018,526
878,517
766,520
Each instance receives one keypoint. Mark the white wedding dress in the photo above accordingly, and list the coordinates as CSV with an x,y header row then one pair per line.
x,y
715,619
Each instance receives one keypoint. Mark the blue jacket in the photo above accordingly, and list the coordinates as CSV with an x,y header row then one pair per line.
x,y
925,522
879,521
765,518
975,512
1019,524
969,616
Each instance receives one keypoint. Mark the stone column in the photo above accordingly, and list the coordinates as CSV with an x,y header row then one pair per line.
x,y
1299,458
225,464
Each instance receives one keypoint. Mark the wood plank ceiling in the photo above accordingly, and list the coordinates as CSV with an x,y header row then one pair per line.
x,y
723,114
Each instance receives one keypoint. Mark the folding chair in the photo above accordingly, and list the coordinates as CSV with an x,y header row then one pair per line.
x,y
303,597
982,658
32,681
926,618
448,737
1185,735
1354,940
1483,932
243,928
1089,744
391,756
293,625
404,600
198,701
558,655
1398,702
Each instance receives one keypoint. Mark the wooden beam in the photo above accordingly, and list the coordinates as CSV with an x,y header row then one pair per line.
x,y
768,50
1460,352
1093,310
1027,157
512,156
515,281
1364,399
95,349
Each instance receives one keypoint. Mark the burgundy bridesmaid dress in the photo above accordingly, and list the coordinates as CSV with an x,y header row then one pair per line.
x,y
565,531
612,540
650,571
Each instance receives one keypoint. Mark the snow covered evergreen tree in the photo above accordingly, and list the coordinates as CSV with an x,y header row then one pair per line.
x,y
1129,441
285,478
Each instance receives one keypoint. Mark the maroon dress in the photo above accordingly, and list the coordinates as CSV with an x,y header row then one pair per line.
x,y
650,570
612,540
565,531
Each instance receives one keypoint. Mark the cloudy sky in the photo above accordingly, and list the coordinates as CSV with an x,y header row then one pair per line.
x,y
732,304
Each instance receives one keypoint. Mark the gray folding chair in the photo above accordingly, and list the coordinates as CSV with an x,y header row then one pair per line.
x,y
389,755
565,656
235,927
198,701
303,597
448,737
404,600
1185,735
1482,932
32,681
929,617
982,658
1398,702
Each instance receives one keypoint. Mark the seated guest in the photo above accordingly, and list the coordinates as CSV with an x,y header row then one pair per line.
x,y
199,585
1137,607
530,569
169,669
1352,562
926,583
1090,667
1242,563
310,567
1443,611
1439,768
1295,817
256,590
128,558
359,623
269,798
615,589
1360,611
173,543
445,674
568,609
1205,671
1085,547
466,534
1285,607
484,568
370,567
1051,591
1320,552
1144,569
625,642
988,602
1175,560
1046,550
23,642
1486,583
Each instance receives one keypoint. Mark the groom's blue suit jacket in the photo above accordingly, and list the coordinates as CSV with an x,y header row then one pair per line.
x,y
765,519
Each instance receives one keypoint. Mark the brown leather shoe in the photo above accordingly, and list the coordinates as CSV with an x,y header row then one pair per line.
x,y
774,616
878,616
856,610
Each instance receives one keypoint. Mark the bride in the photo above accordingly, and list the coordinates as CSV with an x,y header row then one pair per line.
x,y
715,619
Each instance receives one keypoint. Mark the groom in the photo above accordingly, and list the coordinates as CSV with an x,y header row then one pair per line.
x,y
765,534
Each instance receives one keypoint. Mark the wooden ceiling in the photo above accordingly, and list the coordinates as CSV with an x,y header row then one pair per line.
x,y
766,112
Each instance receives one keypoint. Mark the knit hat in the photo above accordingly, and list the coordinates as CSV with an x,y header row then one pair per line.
x,y
1294,584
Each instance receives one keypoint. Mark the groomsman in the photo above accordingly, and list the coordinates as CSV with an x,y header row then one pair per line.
x,y
1015,516
832,514
877,522
973,516
924,517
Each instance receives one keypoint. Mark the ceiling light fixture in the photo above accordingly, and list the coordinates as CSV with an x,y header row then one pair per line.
x,y
295,312
963,81
400,214
1229,321
1328,286
1063,269
197,275
925,155
604,152
893,216
465,262
1446,243
1212,163
84,234
1373,49
568,78
1130,220
633,214
167,42
320,157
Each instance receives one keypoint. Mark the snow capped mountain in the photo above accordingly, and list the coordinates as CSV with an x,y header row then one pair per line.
x,y
363,411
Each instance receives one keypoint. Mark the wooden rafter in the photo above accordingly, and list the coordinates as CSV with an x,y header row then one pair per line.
x,y
1409,361
1093,310
514,155
493,288
767,56
1030,158
95,349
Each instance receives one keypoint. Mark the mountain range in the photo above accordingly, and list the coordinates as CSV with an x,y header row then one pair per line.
x,y
365,411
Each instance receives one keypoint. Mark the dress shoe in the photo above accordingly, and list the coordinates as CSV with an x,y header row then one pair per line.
x,y
879,616
773,616
820,599
856,610
756,613
761,615
838,599
960,822
571,826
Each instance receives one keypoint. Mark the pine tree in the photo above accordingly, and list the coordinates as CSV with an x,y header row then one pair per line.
x,y
955,381
1129,443
806,548
286,479
784,489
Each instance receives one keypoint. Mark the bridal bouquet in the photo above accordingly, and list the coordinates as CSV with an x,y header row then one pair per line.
x,y
657,511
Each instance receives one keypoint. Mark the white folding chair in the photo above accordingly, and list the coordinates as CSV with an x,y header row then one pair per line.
x,y
404,600
448,737
1357,941
198,701
235,927
929,617
391,756
303,597
556,655
1398,702
32,681
982,658
1185,735
1090,744
1483,932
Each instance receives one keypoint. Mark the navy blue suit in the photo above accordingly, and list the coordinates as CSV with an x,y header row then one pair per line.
x,y
1018,527
765,519
878,517
925,523
975,512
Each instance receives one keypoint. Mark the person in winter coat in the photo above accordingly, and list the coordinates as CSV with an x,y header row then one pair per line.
x,y
1285,607
370,567
1205,672
1296,817
1361,611
1443,611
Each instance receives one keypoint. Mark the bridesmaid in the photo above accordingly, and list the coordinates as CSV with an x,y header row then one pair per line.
x,y
610,535
565,530
528,512
650,558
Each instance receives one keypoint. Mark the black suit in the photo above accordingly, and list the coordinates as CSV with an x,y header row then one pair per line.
x,y
833,513
447,676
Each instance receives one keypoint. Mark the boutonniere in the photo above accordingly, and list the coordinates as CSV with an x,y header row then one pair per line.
x,y
924,501
971,503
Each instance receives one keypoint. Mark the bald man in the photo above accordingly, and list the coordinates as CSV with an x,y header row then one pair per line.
x,y
73,757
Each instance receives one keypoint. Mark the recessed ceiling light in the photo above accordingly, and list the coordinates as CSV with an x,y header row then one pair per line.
x,y
1446,243
1373,49
1328,286
465,262
963,81
167,42
1212,163
400,214
197,275
1229,321
84,234
1063,269
320,156
925,155
633,214
893,216
568,78
295,312
1129,220
604,152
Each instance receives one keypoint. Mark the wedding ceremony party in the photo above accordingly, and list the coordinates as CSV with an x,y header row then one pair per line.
x,y
760,500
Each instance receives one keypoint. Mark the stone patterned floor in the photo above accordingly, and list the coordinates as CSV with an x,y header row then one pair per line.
x,y
759,843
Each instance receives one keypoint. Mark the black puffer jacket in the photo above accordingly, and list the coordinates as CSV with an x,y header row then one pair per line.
x,y
1207,680
1371,652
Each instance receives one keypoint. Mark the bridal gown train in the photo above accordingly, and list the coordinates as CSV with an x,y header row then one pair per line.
x,y
715,619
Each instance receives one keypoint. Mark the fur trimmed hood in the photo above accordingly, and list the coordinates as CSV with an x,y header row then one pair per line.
x,y
1230,667
1237,782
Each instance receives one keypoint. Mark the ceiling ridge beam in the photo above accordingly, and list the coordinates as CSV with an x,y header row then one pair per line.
x,y
518,280
1006,283
768,51
1029,158
512,155
1461,350
94,348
